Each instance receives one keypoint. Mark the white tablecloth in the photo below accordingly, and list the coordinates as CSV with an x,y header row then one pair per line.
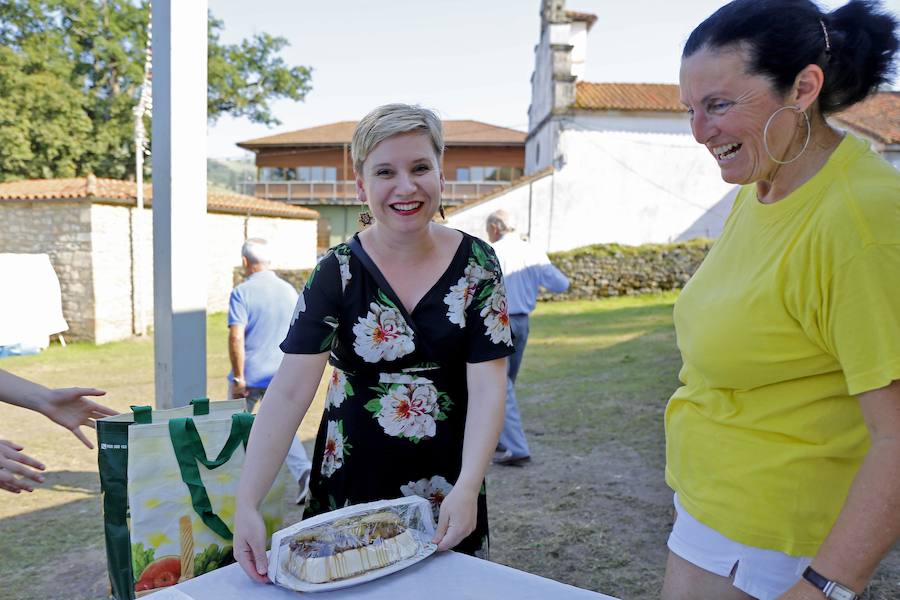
x,y
443,576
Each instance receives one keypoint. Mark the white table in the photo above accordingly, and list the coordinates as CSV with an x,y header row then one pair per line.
x,y
443,576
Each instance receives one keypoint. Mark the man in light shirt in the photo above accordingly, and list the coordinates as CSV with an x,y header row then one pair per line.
x,y
526,270
259,315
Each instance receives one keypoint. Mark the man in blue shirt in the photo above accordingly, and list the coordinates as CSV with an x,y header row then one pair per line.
x,y
526,270
259,315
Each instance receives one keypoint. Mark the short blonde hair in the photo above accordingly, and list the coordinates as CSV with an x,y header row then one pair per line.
x,y
390,120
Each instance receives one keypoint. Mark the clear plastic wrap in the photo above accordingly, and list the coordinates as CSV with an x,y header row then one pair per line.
x,y
352,545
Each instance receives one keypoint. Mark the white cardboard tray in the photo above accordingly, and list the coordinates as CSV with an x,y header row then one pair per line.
x,y
285,579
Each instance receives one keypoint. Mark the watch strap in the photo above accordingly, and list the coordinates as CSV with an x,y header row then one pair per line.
x,y
831,589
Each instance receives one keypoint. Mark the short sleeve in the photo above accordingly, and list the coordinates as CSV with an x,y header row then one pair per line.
x,y
237,310
315,319
487,317
861,318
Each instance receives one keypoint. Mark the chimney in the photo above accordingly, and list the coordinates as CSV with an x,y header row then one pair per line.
x,y
91,185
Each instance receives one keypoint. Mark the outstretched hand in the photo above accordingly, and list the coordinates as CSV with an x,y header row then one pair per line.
x,y
69,408
457,519
13,463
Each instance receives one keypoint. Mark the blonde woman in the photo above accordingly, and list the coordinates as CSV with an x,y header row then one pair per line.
x,y
412,317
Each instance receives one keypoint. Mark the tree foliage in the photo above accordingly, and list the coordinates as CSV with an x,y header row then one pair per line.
x,y
70,77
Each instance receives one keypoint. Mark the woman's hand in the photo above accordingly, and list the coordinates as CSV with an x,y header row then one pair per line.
x,y
250,544
69,408
12,463
459,511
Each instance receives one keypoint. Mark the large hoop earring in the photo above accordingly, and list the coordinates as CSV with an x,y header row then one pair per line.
x,y
766,134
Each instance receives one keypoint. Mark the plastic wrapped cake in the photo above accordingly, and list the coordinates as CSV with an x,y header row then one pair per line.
x,y
352,545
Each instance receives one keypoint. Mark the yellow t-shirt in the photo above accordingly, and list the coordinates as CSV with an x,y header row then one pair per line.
x,y
794,311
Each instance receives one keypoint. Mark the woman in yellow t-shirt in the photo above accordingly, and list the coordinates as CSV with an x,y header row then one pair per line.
x,y
783,442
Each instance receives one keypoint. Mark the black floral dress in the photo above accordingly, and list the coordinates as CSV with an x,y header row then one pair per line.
x,y
395,410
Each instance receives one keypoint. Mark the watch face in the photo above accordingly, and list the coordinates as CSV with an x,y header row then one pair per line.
x,y
839,592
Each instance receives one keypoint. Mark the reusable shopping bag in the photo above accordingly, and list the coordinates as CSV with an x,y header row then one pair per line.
x,y
168,481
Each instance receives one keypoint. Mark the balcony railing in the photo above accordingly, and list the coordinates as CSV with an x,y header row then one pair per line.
x,y
344,192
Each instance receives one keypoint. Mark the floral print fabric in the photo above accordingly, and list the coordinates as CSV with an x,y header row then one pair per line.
x,y
396,402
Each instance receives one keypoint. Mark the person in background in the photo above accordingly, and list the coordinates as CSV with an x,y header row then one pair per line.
x,y
526,270
412,316
67,407
259,315
783,442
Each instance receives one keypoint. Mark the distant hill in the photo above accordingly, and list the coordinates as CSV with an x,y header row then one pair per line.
x,y
228,172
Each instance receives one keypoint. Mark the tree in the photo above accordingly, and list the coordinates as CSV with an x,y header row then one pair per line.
x,y
70,76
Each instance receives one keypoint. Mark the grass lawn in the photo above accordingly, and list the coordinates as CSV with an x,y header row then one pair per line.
x,y
591,509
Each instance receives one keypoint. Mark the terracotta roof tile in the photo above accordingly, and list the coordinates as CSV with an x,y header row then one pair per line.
x,y
456,132
662,97
99,189
877,116
588,18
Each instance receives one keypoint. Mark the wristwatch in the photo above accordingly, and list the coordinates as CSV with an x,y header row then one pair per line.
x,y
238,379
832,589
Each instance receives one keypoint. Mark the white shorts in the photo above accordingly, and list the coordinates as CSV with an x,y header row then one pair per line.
x,y
764,574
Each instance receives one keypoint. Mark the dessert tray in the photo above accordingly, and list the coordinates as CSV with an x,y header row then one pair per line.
x,y
352,545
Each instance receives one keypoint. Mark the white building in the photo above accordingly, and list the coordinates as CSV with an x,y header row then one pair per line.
x,y
100,246
618,162
621,164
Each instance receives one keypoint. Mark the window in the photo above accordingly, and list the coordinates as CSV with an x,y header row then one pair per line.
x,y
477,174
298,174
278,174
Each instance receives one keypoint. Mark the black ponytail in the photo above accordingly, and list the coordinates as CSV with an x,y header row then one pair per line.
x,y
854,45
863,43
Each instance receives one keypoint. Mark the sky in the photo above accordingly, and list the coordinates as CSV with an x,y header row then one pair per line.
x,y
466,59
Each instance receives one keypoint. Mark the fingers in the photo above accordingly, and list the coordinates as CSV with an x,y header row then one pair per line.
x,y
254,563
87,392
262,561
13,464
12,488
9,483
17,466
12,445
103,411
442,526
80,435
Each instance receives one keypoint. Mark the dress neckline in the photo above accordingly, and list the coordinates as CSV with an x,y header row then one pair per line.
x,y
369,264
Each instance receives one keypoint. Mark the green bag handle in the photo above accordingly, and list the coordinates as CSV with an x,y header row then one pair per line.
x,y
189,451
201,406
142,414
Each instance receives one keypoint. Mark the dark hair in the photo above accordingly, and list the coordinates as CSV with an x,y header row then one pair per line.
x,y
782,37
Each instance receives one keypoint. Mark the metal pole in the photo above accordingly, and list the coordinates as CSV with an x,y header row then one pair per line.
x,y
144,107
179,200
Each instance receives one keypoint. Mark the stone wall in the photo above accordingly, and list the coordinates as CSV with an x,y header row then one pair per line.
x,y
607,270
90,248
61,230
598,271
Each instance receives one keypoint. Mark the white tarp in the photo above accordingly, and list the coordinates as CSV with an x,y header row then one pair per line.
x,y
30,301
